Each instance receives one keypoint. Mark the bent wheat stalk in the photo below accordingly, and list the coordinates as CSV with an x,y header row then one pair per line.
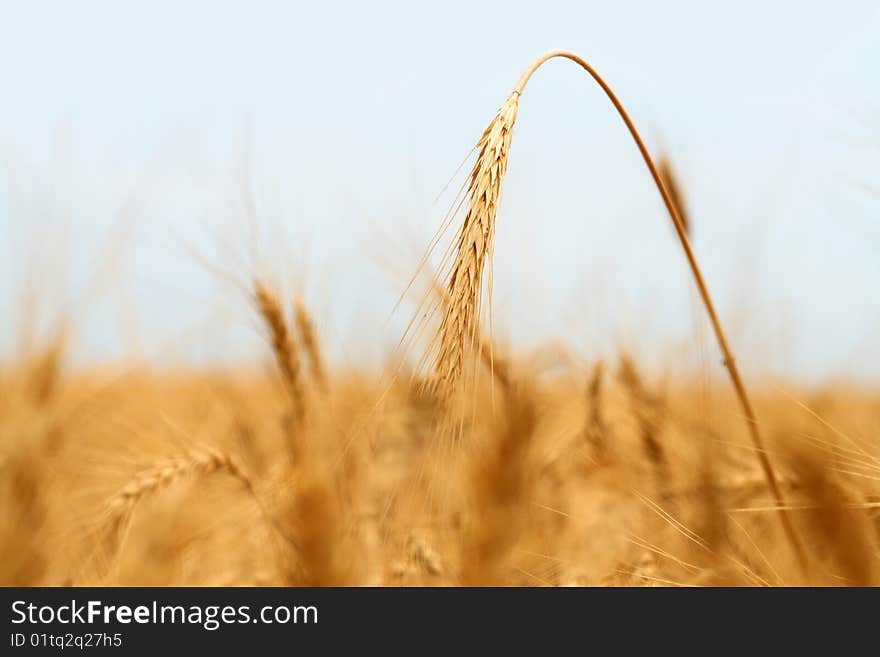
x,y
464,285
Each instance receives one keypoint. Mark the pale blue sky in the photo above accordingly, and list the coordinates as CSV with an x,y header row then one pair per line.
x,y
142,121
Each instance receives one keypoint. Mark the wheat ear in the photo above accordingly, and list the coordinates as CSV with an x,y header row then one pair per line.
x,y
286,355
163,473
673,188
202,461
306,329
464,283
459,328
199,461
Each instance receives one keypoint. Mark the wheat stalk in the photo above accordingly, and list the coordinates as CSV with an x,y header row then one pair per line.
x,y
465,281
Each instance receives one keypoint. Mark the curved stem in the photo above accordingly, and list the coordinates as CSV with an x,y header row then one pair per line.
x,y
729,362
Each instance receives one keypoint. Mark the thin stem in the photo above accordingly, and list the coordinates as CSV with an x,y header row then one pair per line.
x,y
729,362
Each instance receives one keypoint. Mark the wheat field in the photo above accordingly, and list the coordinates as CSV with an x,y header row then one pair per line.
x,y
601,477
460,462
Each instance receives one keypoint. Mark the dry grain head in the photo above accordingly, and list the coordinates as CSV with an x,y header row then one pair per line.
x,y
674,189
459,327
310,341
286,354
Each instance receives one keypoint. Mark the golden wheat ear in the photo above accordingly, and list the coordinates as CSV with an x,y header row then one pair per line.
x,y
311,343
283,347
459,326
673,187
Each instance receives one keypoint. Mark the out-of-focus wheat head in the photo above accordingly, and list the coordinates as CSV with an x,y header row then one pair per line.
x,y
311,344
286,354
459,326
674,189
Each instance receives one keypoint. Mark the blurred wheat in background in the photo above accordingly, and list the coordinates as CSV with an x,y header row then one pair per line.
x,y
600,476
459,460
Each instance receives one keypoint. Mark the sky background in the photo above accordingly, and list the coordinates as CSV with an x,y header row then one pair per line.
x,y
155,155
